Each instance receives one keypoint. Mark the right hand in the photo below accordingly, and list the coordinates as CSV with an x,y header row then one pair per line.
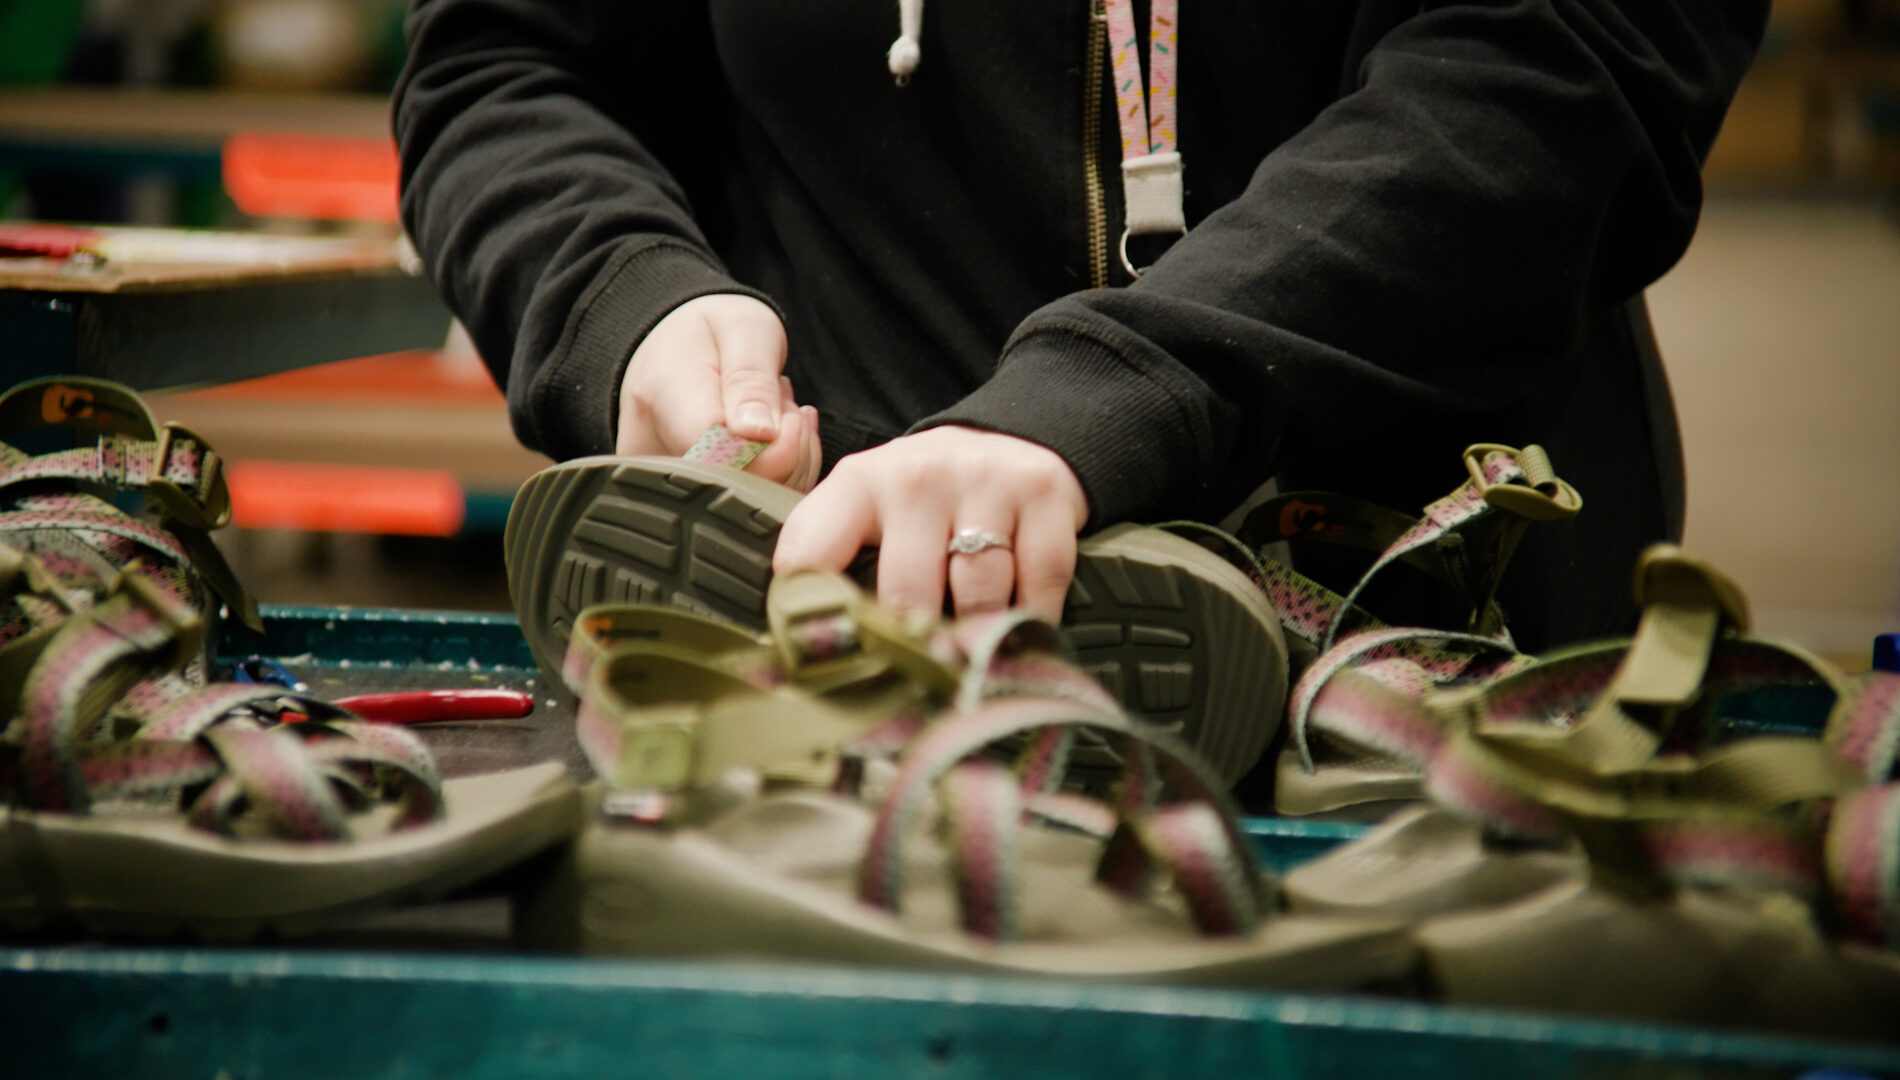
x,y
717,360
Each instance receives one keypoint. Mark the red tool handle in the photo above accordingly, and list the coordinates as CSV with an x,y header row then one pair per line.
x,y
423,706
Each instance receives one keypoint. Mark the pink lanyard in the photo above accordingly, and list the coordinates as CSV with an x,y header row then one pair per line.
x,y
1151,166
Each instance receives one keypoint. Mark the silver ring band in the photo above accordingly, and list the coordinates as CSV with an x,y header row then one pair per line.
x,y
971,541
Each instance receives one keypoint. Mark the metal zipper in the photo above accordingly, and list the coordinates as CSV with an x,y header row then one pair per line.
x,y
1092,144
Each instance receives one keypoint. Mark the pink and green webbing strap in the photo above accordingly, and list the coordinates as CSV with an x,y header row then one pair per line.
x,y
1196,837
220,743
1146,112
721,447
1745,814
1863,838
1494,471
177,471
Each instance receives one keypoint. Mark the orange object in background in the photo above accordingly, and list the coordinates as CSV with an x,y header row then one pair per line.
x,y
326,177
419,376
345,498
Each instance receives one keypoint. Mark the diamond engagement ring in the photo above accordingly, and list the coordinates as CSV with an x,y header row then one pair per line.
x,y
971,541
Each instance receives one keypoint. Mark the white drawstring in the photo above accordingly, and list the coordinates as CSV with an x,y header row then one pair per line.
x,y
905,52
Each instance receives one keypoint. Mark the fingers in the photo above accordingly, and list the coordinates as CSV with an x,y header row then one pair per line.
x,y
669,393
812,460
711,360
794,457
911,557
828,527
912,495
751,343
1045,558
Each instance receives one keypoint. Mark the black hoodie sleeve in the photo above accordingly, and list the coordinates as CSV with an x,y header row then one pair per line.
x,y
532,187
1430,244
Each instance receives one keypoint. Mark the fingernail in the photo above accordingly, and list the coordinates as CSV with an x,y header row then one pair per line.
x,y
756,417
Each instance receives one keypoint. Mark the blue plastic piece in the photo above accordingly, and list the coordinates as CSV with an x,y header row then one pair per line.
x,y
1887,653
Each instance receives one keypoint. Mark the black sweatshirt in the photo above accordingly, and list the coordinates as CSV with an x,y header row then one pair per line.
x,y
1414,225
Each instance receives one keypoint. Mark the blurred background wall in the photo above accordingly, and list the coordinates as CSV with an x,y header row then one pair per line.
x,y
1779,327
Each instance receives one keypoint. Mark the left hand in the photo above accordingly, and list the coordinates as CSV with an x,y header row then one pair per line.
x,y
910,496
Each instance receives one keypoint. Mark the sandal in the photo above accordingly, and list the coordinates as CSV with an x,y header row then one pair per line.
x,y
64,538
140,797
1174,631
1460,546
819,845
1689,675
1731,800
1747,885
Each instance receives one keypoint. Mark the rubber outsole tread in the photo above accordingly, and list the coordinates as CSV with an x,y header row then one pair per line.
x,y
1165,631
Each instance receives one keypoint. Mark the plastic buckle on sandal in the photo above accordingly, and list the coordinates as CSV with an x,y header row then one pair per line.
x,y
818,631
655,756
1543,496
210,506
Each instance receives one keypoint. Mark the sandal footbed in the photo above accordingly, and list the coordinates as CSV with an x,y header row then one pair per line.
x,y
687,892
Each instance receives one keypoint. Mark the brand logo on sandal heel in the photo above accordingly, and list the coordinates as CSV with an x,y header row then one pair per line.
x,y
1299,517
64,403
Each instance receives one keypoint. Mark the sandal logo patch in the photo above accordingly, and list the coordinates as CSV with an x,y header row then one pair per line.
x,y
62,404
1300,517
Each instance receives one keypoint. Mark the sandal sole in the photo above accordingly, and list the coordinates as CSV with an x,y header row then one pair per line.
x,y
1176,633
158,877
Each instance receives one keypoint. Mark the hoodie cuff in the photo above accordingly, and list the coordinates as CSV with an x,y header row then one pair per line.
x,y
1130,439
577,396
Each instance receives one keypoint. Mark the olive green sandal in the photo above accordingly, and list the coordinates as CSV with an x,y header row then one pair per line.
x,y
137,796
1750,884
65,535
760,817
1739,863
213,815
1614,704
1179,635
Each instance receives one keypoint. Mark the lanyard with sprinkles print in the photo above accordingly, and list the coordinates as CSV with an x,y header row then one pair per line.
x,y
1151,166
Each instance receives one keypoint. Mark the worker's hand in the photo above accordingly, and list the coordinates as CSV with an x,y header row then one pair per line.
x,y
716,360
910,496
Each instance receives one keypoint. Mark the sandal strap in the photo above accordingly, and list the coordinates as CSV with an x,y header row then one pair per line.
x,y
1863,864
658,718
190,715
1017,653
601,630
718,446
1189,842
1431,658
180,475
269,773
171,462
301,781
956,738
78,513
89,663
983,808
1519,482
1865,732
